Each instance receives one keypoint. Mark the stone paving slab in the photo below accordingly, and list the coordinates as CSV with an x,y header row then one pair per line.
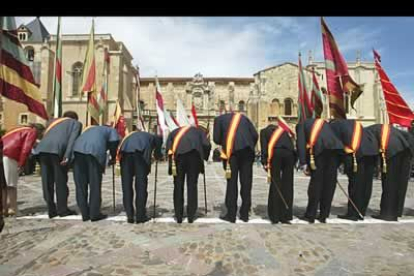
x,y
63,247
33,245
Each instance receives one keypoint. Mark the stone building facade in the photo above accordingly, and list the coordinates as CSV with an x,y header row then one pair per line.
x,y
270,93
40,47
277,93
211,96
264,96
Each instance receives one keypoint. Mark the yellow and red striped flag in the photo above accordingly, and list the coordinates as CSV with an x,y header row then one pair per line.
x,y
119,121
89,78
103,94
16,77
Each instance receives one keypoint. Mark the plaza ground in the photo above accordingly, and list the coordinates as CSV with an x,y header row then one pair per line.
x,y
32,244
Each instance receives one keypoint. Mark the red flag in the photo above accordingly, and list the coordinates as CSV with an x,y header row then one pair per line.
x,y
338,79
194,119
119,121
175,120
376,55
304,105
397,108
162,128
317,97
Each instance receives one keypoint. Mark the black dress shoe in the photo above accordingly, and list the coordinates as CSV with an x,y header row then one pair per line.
x,y
68,213
244,218
85,218
274,221
179,220
310,220
322,220
191,220
285,222
348,217
52,215
99,217
142,220
227,218
385,218
1,224
130,220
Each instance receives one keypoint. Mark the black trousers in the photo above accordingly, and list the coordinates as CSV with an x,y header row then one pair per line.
x,y
188,165
134,165
54,174
322,184
394,185
359,183
282,175
405,178
241,163
87,173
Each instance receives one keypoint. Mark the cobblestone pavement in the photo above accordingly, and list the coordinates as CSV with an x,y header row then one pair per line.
x,y
70,247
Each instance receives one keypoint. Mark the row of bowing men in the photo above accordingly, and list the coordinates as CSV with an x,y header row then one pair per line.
x,y
317,145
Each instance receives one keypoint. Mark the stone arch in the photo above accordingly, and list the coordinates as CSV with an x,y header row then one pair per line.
x,y
77,69
288,103
275,107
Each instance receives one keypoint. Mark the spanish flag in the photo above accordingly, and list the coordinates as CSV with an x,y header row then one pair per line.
x,y
16,78
119,121
89,79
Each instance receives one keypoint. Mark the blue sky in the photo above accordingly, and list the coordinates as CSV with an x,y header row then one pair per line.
x,y
241,46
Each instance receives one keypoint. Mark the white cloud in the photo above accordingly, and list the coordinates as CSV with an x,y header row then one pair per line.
x,y
229,46
177,46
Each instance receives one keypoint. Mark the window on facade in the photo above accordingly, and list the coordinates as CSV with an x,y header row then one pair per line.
x,y
22,36
142,105
24,119
76,78
242,106
288,106
274,107
222,106
30,53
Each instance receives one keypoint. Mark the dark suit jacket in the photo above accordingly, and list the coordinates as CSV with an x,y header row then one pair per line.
x,y
193,139
397,141
344,130
409,136
284,142
327,140
96,141
143,142
60,139
246,134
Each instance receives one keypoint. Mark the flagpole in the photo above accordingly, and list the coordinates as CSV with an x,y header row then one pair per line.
x,y
87,108
56,114
139,98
